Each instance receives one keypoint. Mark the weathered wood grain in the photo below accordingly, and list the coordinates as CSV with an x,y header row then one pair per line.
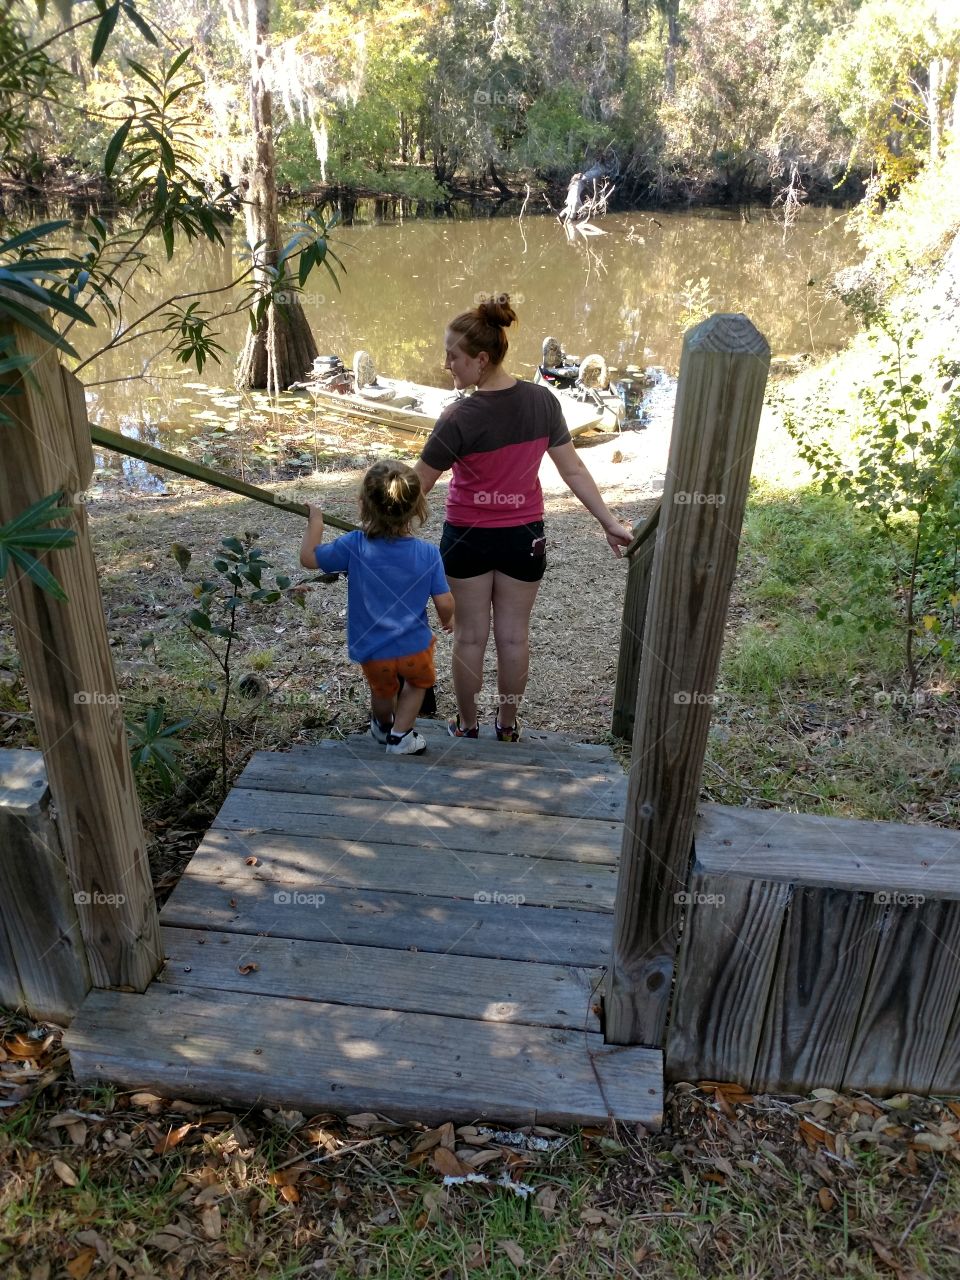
x,y
910,1000
729,949
946,1077
250,1050
546,995
723,371
311,865
827,949
43,965
559,745
840,853
429,826
444,750
66,660
397,920
635,598
418,781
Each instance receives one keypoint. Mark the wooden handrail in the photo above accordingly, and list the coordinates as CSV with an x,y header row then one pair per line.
x,y
644,530
208,475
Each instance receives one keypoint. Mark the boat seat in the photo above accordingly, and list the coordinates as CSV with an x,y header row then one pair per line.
x,y
364,370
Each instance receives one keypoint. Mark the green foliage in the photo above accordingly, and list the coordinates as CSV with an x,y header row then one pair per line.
x,y
214,621
29,532
557,131
154,745
905,477
24,262
153,157
880,81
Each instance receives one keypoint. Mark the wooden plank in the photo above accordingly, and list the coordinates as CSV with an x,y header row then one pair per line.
x,y
545,995
730,941
395,920
632,623
841,853
822,971
911,998
946,1077
310,865
251,1050
561,745
533,791
723,371
460,751
429,826
68,667
43,964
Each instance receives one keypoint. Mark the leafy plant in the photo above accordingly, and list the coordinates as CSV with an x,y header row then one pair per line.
x,y
906,479
214,621
29,532
154,745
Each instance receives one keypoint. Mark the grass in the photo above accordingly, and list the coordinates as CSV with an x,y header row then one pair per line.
x,y
732,1189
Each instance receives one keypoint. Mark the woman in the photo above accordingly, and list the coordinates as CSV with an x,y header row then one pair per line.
x,y
493,544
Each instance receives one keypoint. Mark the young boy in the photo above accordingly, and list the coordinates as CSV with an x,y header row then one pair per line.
x,y
390,576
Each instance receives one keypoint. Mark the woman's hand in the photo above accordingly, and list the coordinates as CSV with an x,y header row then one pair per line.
x,y
618,536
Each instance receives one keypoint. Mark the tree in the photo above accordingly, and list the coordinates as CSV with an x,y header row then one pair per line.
x,y
280,349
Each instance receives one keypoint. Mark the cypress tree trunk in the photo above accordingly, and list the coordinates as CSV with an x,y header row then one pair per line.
x,y
283,349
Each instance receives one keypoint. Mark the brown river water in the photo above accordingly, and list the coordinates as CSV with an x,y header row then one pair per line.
x,y
627,294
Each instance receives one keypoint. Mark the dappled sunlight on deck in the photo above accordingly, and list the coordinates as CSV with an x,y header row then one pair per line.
x,y
419,937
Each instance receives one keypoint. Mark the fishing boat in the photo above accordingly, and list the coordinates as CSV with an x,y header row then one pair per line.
x,y
586,380
402,405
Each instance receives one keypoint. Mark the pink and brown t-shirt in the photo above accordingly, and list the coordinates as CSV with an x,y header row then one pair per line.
x,y
494,442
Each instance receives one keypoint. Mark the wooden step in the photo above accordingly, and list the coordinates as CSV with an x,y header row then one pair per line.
x,y
427,825
442,749
548,995
415,780
277,863
365,918
249,1050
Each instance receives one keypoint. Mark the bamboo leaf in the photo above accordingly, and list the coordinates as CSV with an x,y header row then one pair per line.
x,y
104,29
115,146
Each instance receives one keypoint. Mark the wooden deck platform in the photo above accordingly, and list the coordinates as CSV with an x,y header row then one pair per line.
x,y
417,936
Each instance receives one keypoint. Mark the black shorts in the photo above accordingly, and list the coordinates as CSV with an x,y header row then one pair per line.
x,y
519,551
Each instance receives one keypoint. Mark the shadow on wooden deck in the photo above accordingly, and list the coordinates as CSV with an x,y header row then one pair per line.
x,y
422,937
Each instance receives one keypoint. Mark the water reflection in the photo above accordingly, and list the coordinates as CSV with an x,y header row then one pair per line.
x,y
623,294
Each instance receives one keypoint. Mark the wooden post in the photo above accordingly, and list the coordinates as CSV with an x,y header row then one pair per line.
x,y
66,660
640,554
723,373
43,966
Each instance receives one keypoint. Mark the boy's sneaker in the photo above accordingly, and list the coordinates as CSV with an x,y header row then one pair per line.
x,y
508,735
406,744
456,731
377,731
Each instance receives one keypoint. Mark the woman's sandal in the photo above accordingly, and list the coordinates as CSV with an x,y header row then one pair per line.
x,y
512,734
456,731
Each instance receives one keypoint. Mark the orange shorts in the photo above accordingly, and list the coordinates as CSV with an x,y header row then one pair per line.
x,y
382,674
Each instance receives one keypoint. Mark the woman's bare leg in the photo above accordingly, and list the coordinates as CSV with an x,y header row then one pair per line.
x,y
471,598
513,602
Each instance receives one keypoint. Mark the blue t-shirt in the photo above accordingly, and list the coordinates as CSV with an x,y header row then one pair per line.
x,y
389,581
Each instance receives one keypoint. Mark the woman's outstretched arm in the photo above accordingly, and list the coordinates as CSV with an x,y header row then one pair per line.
x,y
582,485
428,475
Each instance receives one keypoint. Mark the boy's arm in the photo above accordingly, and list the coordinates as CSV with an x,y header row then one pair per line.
x,y
443,604
312,538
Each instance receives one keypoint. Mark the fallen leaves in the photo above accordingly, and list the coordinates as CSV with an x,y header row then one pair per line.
x,y
65,1173
172,1138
